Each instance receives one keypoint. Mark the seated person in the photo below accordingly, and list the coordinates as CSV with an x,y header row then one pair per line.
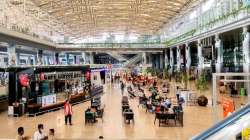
x,y
20,135
144,97
158,109
91,111
153,96
87,110
52,134
164,89
222,89
167,103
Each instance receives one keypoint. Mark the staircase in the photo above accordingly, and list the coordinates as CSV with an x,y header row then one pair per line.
x,y
117,56
133,60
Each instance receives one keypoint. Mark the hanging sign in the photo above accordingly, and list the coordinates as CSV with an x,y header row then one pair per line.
x,y
87,75
24,80
42,76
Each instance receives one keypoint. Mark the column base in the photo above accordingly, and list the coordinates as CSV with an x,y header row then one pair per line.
x,y
218,67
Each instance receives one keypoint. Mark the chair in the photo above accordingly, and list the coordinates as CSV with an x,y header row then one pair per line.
x,y
157,116
179,118
124,107
124,99
192,99
149,107
128,115
171,116
89,117
161,117
142,101
176,109
99,113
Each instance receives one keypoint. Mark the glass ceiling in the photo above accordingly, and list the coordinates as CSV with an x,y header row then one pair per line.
x,y
90,20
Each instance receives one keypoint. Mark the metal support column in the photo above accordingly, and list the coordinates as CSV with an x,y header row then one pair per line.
x,y
12,58
200,57
219,47
178,58
188,58
246,62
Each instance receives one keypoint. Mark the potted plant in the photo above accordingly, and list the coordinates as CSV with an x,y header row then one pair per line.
x,y
165,73
201,85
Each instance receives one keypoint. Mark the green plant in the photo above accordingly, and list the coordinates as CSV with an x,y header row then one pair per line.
x,y
201,83
185,79
178,77
165,74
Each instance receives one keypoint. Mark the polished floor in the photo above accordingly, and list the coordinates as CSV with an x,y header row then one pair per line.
x,y
196,119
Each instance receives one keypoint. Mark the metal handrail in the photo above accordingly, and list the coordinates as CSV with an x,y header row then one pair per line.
x,y
222,124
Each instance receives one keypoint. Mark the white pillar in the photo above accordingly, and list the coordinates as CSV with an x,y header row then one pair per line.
x,y
246,57
144,58
84,60
39,57
171,61
29,60
91,58
219,46
149,58
245,49
17,59
200,57
178,58
166,61
12,57
161,60
188,57
54,58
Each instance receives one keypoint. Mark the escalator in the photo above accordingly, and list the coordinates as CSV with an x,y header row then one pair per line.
x,y
234,127
133,60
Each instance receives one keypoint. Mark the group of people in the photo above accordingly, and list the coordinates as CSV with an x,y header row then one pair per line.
x,y
165,102
38,135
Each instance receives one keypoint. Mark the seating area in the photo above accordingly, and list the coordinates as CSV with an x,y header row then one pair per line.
x,y
165,117
167,109
127,112
95,111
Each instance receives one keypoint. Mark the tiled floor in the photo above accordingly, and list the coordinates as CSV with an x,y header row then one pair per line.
x,y
196,119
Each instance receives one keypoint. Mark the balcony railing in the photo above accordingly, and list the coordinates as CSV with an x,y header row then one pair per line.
x,y
113,45
211,19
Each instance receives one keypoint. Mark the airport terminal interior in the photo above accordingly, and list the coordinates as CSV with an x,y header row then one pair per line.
x,y
124,69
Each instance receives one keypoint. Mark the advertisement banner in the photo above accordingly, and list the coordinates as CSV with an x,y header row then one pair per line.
x,y
245,134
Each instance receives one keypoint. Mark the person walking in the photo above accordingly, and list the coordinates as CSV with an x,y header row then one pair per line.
x,y
122,87
68,112
177,92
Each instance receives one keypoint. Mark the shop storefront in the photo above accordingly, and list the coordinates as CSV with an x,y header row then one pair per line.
x,y
36,90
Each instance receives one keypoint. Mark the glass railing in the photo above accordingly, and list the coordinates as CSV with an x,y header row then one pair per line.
x,y
230,128
112,45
